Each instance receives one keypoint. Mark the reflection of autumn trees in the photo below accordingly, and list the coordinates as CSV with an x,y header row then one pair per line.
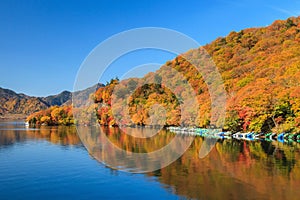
x,y
247,169
118,150
9,137
63,135
233,169
135,144
256,169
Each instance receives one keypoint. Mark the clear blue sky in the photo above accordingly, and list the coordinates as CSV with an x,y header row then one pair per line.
x,y
43,43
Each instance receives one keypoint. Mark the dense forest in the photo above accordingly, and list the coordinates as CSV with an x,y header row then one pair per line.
x,y
260,68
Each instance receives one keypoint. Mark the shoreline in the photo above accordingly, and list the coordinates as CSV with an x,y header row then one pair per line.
x,y
13,117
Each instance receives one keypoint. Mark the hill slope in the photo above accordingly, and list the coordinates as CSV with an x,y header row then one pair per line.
x,y
15,105
58,99
18,104
260,68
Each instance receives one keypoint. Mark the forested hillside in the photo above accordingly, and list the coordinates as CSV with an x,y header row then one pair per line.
x,y
14,104
260,68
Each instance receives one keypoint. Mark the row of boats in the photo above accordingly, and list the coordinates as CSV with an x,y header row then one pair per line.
x,y
219,134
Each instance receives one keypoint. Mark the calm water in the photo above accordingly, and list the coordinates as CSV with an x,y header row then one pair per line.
x,y
51,162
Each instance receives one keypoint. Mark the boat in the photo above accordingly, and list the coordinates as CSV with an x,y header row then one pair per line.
x,y
280,137
218,133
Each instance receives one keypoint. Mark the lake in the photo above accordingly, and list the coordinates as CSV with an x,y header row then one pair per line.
x,y
53,162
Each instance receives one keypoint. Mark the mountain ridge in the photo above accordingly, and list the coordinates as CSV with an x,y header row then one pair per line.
x,y
19,105
260,68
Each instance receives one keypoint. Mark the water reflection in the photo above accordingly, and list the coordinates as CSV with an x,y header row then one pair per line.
x,y
16,132
121,151
237,170
232,170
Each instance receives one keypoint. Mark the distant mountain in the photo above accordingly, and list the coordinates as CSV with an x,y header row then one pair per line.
x,y
14,105
81,96
58,99
18,104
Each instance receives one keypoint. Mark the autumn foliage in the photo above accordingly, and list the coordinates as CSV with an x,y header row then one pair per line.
x,y
260,68
52,116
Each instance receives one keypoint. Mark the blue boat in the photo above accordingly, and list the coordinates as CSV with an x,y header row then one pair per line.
x,y
280,137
